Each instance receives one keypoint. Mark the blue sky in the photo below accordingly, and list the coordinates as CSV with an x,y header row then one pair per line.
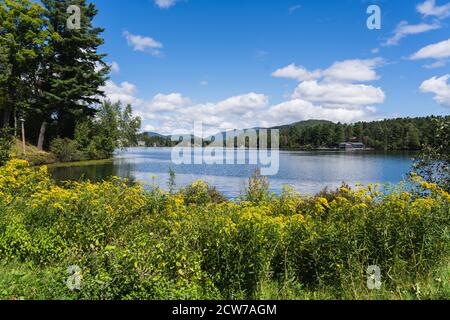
x,y
245,63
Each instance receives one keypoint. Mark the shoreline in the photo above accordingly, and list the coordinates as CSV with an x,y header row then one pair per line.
x,y
82,163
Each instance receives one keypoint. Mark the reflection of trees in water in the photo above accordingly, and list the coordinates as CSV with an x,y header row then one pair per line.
x,y
307,172
94,173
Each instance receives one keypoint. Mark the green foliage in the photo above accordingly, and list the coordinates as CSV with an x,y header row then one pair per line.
x,y
74,57
132,244
433,163
5,146
23,36
113,127
66,150
171,182
392,134
200,193
99,138
258,188
52,76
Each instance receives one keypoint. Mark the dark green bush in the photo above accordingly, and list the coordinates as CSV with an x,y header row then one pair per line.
x,y
66,150
5,146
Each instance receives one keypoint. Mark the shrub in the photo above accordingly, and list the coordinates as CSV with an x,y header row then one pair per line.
x,y
201,193
66,150
258,188
5,146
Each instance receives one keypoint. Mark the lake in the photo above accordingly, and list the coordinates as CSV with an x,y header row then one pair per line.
x,y
306,171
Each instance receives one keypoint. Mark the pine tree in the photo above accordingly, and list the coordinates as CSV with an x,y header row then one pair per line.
x,y
74,69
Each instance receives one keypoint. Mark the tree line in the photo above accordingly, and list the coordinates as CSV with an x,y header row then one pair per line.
x,y
51,77
389,134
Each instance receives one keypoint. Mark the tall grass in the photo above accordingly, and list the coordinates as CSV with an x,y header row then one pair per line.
x,y
195,244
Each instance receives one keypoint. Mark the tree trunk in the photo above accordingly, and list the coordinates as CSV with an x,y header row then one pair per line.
x,y
15,123
41,139
6,116
23,138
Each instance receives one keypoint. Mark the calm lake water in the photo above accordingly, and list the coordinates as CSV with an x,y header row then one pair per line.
x,y
307,172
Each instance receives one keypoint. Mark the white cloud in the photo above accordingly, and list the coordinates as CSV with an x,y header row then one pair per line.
x,y
339,95
429,8
354,70
169,102
334,94
335,87
404,29
204,83
143,44
298,110
149,128
440,87
440,50
115,68
241,104
437,64
165,4
125,92
347,70
296,72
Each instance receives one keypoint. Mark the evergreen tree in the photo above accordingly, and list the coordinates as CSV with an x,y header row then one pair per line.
x,y
23,36
74,68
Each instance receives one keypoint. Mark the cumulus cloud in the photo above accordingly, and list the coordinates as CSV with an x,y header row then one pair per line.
x,y
124,92
430,9
168,113
354,70
299,110
143,44
347,70
404,29
336,94
339,95
169,102
165,4
241,104
337,86
440,50
295,72
440,87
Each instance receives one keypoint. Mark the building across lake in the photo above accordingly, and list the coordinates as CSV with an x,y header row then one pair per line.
x,y
352,146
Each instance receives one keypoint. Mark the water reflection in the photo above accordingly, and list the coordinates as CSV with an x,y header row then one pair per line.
x,y
307,172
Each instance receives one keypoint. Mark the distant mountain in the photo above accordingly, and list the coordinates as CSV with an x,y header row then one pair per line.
x,y
389,134
304,124
300,124
154,135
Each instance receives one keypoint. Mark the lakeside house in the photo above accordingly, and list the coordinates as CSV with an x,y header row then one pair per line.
x,y
352,146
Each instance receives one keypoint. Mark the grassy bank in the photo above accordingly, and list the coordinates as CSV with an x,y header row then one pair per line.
x,y
194,244
32,154
36,157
